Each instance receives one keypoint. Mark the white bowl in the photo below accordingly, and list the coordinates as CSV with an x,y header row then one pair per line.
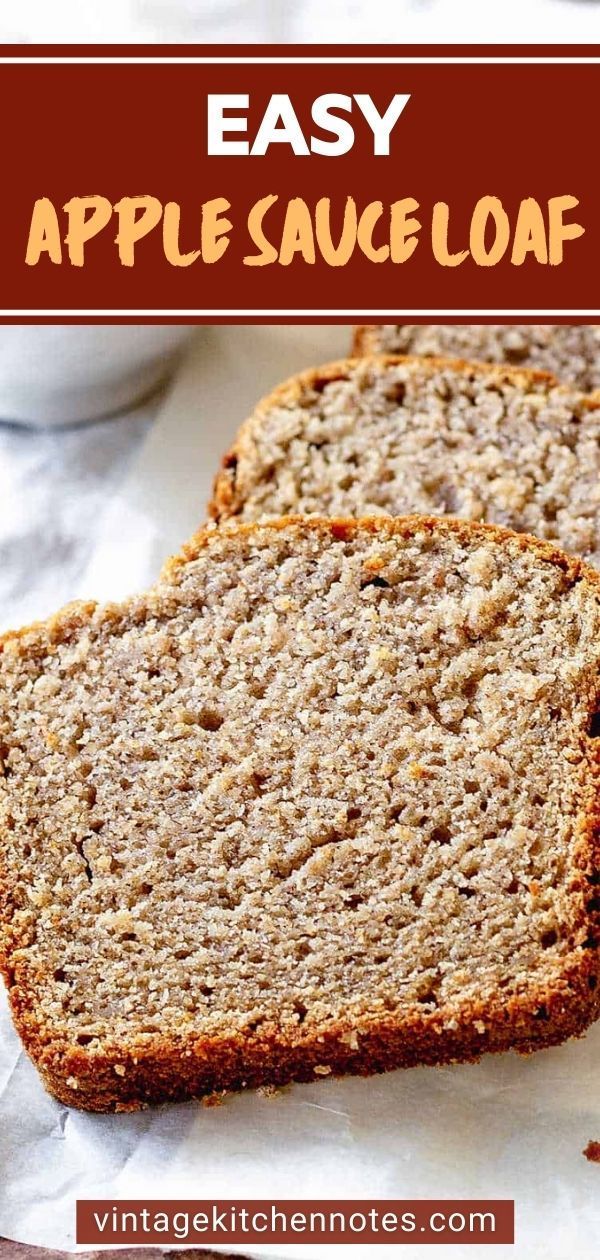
x,y
56,374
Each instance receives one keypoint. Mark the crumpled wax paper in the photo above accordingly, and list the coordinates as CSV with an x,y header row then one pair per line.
x,y
508,1127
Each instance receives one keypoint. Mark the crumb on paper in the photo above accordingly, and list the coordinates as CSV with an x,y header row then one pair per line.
x,y
592,1152
268,1091
216,1099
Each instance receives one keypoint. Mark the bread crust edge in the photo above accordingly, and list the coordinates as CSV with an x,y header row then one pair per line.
x,y
226,501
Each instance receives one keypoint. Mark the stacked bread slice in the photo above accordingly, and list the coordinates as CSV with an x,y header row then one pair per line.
x,y
394,435
571,352
325,799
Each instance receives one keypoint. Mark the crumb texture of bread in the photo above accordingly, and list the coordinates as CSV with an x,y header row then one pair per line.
x,y
571,352
322,800
394,436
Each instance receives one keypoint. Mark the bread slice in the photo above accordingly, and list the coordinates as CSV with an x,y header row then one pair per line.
x,y
393,435
571,352
324,800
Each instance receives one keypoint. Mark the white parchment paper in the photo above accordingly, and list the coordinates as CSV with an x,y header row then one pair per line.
x,y
507,1127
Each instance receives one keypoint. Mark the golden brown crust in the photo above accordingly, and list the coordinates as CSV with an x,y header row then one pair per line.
x,y
151,1068
226,502
364,340
403,527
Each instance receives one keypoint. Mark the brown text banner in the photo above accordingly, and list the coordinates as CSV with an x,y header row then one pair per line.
x,y
300,184
254,1221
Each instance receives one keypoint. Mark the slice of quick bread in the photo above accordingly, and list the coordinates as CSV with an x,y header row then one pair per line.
x,y
571,352
393,435
324,800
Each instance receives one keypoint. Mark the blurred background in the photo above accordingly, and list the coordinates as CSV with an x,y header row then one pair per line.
x,y
76,403
303,21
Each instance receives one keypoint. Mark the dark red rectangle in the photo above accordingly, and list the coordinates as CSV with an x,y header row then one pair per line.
x,y
194,1222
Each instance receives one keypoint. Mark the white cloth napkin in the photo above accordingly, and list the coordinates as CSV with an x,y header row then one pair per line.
x,y
165,497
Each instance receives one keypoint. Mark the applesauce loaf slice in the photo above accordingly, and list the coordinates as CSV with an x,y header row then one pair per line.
x,y
571,352
324,800
393,435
